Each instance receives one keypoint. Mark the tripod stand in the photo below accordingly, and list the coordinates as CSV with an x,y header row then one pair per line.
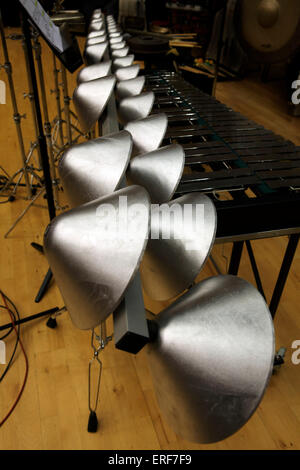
x,y
43,153
26,170
71,59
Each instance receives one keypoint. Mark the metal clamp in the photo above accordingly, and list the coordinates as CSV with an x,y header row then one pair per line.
x,y
94,361
98,343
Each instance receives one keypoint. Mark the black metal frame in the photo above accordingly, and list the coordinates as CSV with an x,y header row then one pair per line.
x,y
290,251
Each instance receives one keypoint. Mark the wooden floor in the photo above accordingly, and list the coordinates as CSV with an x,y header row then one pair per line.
x,y
52,413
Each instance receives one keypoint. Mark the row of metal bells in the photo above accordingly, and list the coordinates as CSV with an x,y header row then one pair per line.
x,y
211,352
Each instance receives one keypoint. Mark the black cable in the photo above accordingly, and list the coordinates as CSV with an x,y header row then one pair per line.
x,y
26,363
11,329
15,315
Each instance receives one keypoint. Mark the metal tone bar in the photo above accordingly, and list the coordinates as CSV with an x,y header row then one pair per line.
x,y
198,160
205,145
184,119
215,175
224,116
199,133
287,183
275,165
186,128
262,145
216,185
284,150
284,271
255,268
225,133
271,157
235,259
283,173
251,138
187,133
203,152
242,127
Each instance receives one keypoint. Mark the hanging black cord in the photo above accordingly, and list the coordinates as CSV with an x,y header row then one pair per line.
x,y
15,315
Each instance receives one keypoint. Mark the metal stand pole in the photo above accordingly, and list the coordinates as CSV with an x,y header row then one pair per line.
x,y
41,136
235,259
31,99
255,268
44,286
47,125
284,271
67,100
57,96
24,211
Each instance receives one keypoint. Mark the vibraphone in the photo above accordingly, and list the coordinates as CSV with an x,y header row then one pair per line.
x,y
258,170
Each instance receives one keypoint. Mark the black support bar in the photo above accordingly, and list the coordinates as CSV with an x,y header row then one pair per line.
x,y
284,271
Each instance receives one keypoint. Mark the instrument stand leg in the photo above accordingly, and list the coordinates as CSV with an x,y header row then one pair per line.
x,y
38,247
44,286
235,259
284,271
255,268
46,281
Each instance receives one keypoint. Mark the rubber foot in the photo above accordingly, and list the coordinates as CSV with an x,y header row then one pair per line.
x,y
93,422
11,198
278,360
51,323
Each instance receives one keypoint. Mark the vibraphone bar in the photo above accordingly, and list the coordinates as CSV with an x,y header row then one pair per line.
x,y
256,171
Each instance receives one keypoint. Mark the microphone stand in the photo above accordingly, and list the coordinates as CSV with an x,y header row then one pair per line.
x,y
41,136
